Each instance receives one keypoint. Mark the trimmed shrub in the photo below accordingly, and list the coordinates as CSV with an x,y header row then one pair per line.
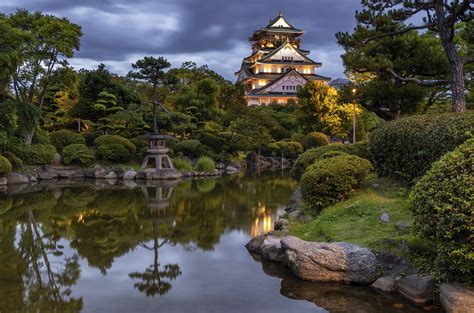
x,y
141,146
409,146
77,154
41,137
442,202
5,166
332,179
16,162
116,140
90,137
63,138
35,154
190,148
113,152
314,140
205,164
290,149
183,165
308,157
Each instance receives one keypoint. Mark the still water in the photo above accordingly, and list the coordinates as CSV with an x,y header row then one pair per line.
x,y
106,246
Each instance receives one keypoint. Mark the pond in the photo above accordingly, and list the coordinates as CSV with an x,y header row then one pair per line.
x,y
106,246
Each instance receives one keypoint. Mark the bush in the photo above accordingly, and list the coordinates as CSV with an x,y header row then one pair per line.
x,y
41,137
77,154
113,152
308,157
290,149
314,140
35,154
63,138
16,162
205,164
332,179
90,137
5,166
190,148
116,140
409,146
442,204
183,165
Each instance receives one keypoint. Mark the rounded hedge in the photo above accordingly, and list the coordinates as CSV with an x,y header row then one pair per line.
x,y
63,138
191,148
314,140
77,154
205,164
113,152
407,147
332,179
5,166
308,157
35,154
116,140
290,149
16,162
442,202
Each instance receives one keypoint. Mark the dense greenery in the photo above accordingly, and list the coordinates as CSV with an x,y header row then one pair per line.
x,y
113,152
36,154
63,138
409,146
205,164
332,178
5,166
77,154
442,203
314,140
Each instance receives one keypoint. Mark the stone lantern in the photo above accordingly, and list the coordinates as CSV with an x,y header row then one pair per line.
x,y
157,157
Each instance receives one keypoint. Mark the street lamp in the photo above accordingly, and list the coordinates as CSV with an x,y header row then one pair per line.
x,y
354,116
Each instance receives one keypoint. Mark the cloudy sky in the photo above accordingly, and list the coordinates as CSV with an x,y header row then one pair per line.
x,y
213,32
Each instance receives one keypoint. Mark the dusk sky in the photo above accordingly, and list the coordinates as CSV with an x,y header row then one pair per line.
x,y
213,32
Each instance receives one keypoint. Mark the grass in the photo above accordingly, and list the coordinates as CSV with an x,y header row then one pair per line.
x,y
356,220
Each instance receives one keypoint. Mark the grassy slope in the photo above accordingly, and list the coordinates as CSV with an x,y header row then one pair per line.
x,y
356,220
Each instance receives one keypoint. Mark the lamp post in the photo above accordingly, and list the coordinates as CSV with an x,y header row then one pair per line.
x,y
354,116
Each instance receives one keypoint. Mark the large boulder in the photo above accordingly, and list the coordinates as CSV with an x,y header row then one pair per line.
x,y
330,262
457,298
253,161
418,288
385,284
129,175
16,178
268,246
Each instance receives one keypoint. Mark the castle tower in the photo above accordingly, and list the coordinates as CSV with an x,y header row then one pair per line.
x,y
277,65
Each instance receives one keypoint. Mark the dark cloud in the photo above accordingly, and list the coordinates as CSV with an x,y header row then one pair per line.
x,y
207,31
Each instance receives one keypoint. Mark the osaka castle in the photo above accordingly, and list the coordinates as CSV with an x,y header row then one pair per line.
x,y
277,65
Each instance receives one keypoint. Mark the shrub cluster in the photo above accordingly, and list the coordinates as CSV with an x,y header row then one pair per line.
x,y
205,164
409,146
182,164
16,162
63,138
443,202
290,149
5,166
113,152
35,154
77,154
314,140
311,155
190,148
332,178
116,140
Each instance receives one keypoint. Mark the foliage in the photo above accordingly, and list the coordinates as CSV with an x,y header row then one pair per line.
x,y
290,149
5,166
190,148
442,203
116,140
329,180
409,146
308,157
205,164
63,138
314,139
15,161
182,164
77,154
35,154
113,152
41,136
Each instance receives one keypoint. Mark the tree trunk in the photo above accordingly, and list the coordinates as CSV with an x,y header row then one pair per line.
x,y
155,123
456,65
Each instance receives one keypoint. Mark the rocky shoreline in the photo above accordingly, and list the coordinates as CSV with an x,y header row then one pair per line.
x,y
341,262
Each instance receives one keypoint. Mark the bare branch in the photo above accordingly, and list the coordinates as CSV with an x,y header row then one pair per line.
x,y
398,32
424,83
467,59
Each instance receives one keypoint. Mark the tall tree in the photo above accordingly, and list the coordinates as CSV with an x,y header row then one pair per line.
x,y
390,18
151,70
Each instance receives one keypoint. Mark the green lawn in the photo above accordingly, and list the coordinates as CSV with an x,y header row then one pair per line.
x,y
356,220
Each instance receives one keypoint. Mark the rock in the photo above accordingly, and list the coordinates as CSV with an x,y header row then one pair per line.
x,y
295,214
3,181
47,174
384,218
57,160
330,262
402,225
394,265
129,175
457,298
280,223
220,166
33,179
418,288
111,175
385,284
67,174
99,172
268,246
16,178
296,197
253,161
231,169
165,174
187,174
